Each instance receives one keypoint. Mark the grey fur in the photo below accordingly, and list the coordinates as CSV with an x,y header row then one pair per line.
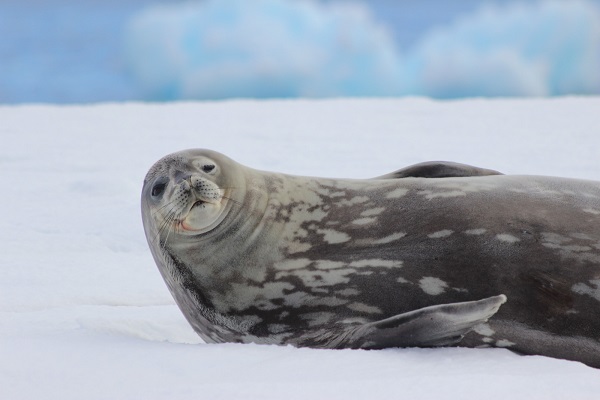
x,y
413,258
439,169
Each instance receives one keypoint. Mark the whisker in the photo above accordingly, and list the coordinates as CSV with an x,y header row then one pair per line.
x,y
159,231
161,208
169,218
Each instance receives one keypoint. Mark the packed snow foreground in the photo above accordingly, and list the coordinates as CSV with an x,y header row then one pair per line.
x,y
84,312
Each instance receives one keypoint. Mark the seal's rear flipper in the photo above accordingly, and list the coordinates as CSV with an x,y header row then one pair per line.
x,y
440,325
439,169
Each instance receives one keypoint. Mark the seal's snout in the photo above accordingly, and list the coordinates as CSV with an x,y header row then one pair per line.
x,y
182,176
205,189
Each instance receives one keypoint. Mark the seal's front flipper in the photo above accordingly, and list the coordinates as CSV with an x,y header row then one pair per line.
x,y
439,169
440,325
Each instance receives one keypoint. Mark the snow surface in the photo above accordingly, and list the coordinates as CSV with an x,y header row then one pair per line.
x,y
281,48
84,313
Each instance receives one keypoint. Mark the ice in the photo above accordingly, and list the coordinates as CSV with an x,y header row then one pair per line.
x,y
289,48
521,49
60,51
264,48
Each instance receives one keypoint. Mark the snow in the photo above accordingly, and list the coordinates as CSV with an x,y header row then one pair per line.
x,y
280,48
84,312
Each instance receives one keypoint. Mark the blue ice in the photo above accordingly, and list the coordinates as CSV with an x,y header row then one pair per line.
x,y
218,49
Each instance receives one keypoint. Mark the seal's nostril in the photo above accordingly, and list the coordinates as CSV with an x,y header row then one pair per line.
x,y
208,167
181,176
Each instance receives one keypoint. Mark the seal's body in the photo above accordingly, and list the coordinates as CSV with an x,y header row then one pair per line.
x,y
400,260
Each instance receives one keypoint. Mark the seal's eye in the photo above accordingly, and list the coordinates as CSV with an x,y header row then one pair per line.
x,y
158,188
208,167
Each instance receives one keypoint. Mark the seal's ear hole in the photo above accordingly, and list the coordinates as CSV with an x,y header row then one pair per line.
x,y
158,189
208,167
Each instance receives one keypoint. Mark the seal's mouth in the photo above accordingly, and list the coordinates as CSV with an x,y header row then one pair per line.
x,y
197,203
202,213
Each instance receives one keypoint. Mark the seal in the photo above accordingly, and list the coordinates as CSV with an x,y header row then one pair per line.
x,y
435,254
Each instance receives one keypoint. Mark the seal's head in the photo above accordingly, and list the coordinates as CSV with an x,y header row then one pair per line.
x,y
186,193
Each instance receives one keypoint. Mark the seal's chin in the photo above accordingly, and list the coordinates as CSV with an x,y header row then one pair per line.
x,y
202,216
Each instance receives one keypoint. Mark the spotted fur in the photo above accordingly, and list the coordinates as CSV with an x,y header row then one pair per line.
x,y
419,258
